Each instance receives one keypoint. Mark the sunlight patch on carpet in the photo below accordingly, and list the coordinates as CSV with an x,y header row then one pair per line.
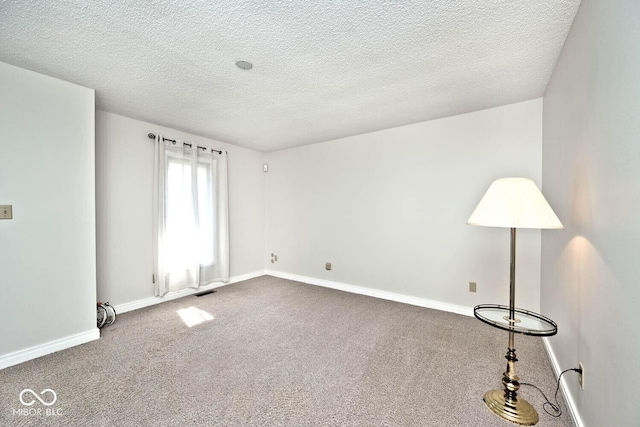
x,y
194,316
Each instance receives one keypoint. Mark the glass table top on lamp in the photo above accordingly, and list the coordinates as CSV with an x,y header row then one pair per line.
x,y
513,203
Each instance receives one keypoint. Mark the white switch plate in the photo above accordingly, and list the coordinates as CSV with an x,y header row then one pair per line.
x,y
6,212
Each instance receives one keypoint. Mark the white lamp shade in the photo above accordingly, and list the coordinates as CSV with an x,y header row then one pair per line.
x,y
514,203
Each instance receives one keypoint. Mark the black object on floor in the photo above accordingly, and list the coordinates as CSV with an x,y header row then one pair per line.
x,y
201,294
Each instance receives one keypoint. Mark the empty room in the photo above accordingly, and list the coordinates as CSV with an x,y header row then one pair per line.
x,y
331,213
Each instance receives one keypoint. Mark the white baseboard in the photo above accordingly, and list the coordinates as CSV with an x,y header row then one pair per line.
x,y
48,348
568,397
146,302
391,296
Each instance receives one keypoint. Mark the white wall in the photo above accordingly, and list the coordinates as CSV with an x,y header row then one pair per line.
x,y
47,251
591,164
124,179
389,208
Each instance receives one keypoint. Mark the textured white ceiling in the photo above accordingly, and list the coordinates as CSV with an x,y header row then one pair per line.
x,y
322,69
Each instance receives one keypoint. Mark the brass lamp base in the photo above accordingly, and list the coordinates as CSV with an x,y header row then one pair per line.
x,y
519,412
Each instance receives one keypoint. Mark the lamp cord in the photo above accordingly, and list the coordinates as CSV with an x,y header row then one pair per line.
x,y
557,410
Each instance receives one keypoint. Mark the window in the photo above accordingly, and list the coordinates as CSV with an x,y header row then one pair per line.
x,y
191,217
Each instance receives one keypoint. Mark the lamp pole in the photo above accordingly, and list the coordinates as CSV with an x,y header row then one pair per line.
x,y
505,403
510,379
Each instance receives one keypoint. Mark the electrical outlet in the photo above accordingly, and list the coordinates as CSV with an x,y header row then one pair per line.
x,y
472,286
6,212
327,266
581,376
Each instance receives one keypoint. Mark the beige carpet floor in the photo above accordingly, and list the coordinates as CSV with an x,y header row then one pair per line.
x,y
279,353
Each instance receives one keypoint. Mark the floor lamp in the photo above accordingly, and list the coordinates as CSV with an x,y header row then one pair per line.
x,y
513,203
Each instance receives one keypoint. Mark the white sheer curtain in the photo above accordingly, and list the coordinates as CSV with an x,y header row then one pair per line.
x,y
191,216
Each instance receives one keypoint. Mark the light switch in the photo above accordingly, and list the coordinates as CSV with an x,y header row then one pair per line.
x,y
6,212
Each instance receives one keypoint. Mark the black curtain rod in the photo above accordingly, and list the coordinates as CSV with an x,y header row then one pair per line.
x,y
153,136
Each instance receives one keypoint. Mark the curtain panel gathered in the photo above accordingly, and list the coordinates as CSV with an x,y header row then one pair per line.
x,y
191,216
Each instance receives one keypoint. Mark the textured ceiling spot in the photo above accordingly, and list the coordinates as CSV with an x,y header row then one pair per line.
x,y
327,69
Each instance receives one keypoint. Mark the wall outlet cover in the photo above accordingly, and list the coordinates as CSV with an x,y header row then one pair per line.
x,y
6,211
